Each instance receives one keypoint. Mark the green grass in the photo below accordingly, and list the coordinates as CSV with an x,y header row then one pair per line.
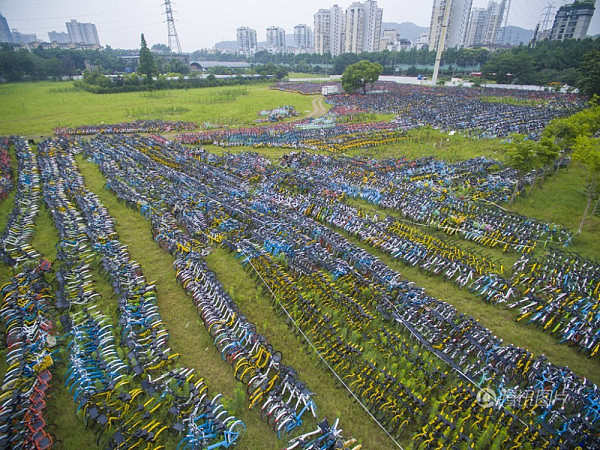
x,y
513,101
35,109
307,75
561,199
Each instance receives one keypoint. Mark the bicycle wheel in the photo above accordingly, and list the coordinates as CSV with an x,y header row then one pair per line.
x,y
235,431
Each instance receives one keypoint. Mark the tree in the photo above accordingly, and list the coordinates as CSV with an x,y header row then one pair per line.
x,y
510,67
589,70
586,151
522,156
147,66
360,74
547,153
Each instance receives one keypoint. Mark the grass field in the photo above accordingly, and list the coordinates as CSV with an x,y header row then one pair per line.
x,y
34,109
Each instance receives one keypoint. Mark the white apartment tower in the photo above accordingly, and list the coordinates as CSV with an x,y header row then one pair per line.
x,y
476,27
363,27
355,17
572,20
275,40
329,31
322,28
495,13
372,26
302,37
457,23
337,30
246,41
82,33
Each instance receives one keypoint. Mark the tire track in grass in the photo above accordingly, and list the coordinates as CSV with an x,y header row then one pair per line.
x,y
187,333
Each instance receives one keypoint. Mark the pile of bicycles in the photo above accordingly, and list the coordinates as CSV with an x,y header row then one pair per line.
x,y
20,226
128,389
271,386
6,171
139,126
30,354
354,310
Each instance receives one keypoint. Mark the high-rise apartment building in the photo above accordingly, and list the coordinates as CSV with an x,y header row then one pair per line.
x,y
246,41
357,30
337,30
322,25
476,27
329,31
458,20
572,21
302,38
59,37
493,22
355,16
82,33
484,24
372,26
363,27
275,40
5,34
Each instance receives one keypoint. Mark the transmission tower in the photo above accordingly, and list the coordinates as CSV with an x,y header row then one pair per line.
x,y
173,38
547,14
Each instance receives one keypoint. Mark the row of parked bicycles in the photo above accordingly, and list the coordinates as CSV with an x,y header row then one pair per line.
x,y
26,314
458,199
6,173
127,385
354,309
138,126
535,288
454,108
301,135
272,387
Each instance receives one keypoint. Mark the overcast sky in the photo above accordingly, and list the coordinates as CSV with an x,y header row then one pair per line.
x,y
201,23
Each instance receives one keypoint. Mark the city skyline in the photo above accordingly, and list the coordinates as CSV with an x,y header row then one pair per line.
x,y
120,24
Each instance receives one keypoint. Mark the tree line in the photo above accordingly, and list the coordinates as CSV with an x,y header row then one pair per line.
x,y
549,61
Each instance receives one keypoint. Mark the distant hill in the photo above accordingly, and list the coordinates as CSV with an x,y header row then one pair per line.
x,y
408,30
514,35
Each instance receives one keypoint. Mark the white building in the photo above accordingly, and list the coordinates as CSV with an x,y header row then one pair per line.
x,y
246,41
337,30
476,27
363,27
82,33
330,31
60,37
572,21
391,40
493,22
422,41
458,20
275,40
303,38
322,23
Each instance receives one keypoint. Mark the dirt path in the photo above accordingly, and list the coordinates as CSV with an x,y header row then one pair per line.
x,y
318,107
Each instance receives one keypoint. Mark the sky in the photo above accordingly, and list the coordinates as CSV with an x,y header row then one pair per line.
x,y
201,23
